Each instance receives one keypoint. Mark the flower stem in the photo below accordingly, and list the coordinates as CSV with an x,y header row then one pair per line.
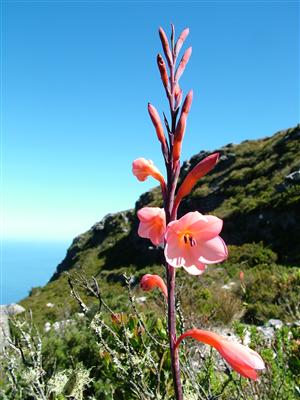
x,y
172,333
172,173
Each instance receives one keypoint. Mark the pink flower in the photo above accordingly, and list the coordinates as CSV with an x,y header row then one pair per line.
x,y
152,224
142,168
149,282
192,242
242,359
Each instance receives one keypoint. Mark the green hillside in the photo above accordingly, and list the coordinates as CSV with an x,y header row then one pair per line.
x,y
255,188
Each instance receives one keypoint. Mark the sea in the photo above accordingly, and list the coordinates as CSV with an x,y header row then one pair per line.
x,y
27,264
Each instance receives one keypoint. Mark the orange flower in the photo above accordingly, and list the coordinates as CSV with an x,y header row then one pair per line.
x,y
149,282
142,168
241,358
152,224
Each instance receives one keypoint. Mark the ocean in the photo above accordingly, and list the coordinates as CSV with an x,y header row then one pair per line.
x,y
28,264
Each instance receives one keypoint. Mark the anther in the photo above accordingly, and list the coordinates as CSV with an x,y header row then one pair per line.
x,y
192,241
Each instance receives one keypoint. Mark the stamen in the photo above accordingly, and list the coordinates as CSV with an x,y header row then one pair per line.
x,y
192,241
189,239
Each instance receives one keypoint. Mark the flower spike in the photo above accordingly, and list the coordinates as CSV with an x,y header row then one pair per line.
x,y
241,358
149,282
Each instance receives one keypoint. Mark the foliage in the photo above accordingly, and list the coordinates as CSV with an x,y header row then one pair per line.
x,y
86,357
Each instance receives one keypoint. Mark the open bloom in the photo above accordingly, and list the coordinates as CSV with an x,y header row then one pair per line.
x,y
149,282
241,358
192,242
142,168
152,224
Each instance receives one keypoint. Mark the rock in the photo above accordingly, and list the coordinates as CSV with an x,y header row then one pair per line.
x,y
141,299
267,332
7,311
293,177
13,309
228,286
275,323
47,327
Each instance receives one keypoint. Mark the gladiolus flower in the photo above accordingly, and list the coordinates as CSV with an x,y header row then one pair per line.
x,y
192,242
152,224
241,358
149,282
142,168
201,169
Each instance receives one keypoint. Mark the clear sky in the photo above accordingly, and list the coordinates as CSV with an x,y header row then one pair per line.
x,y
76,79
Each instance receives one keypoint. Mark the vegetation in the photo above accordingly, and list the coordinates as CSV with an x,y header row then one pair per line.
x,y
255,189
84,359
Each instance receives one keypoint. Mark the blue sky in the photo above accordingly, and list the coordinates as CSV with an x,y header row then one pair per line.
x,y
77,77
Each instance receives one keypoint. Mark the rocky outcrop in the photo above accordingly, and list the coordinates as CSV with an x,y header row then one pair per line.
x,y
254,188
7,311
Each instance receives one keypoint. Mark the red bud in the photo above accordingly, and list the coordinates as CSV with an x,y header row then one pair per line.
x,y
181,67
163,70
165,45
181,40
181,125
157,124
201,169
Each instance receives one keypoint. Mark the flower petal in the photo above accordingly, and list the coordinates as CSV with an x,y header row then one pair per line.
x,y
193,270
212,251
206,229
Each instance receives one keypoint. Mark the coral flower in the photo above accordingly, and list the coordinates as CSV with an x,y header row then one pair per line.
x,y
142,168
149,282
241,358
152,224
193,241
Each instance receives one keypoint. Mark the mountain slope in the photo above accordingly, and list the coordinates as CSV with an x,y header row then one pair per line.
x,y
255,188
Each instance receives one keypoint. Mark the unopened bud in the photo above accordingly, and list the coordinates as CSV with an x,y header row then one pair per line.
x,y
181,67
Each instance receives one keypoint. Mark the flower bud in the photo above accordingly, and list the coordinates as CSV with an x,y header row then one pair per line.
x,y
181,40
149,282
165,46
201,169
157,124
163,70
181,67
